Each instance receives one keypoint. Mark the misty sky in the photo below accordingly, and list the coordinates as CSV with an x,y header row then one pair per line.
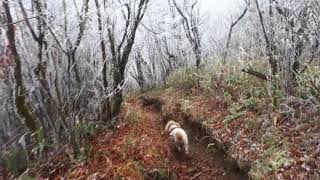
x,y
220,10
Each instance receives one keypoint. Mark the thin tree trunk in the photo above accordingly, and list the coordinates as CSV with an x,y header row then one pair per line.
x,y
271,60
106,104
118,78
139,78
120,54
198,56
75,67
233,24
23,108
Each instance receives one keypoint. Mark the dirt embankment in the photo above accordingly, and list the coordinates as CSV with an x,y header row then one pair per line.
x,y
223,144
266,146
139,149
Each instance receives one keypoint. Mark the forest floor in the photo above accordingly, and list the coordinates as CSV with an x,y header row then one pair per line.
x,y
140,149
280,148
243,146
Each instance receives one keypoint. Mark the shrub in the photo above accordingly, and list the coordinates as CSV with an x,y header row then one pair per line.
x,y
132,117
272,158
184,79
84,130
15,160
309,84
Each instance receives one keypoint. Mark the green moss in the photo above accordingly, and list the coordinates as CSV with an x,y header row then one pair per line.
x,y
15,160
233,116
163,174
278,160
131,142
25,111
84,130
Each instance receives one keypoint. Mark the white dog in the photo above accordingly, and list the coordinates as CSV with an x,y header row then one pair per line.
x,y
178,135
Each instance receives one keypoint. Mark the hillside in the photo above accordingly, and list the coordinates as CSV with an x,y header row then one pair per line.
x,y
240,148
87,86
139,149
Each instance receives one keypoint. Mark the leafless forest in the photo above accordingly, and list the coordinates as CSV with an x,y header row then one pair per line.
x,y
67,66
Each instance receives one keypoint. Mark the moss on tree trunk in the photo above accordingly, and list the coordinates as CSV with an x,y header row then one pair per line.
x,y
23,108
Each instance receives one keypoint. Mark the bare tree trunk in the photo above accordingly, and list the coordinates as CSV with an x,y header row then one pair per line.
x,y
118,78
106,110
139,73
46,110
271,60
39,37
71,49
198,56
75,66
82,19
23,108
233,24
191,21
120,53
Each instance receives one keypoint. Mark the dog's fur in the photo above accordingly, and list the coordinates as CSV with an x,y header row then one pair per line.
x,y
178,135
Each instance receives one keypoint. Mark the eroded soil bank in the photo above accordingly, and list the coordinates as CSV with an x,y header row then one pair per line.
x,y
267,146
139,149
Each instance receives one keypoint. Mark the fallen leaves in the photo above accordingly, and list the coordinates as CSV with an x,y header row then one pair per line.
x,y
243,132
140,148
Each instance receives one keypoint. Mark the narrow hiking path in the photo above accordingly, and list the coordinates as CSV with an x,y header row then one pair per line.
x,y
139,149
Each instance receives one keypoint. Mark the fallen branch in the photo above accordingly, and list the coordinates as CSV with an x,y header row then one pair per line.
x,y
19,21
196,176
255,73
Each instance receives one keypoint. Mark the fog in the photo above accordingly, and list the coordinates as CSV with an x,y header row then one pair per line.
x,y
220,12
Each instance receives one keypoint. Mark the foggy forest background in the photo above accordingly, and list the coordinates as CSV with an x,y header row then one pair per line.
x,y
66,65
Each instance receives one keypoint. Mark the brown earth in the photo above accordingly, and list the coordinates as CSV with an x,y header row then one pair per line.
x,y
139,149
271,146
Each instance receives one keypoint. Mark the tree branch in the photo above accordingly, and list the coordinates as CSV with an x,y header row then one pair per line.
x,y
255,73
231,29
81,25
57,41
125,34
25,16
19,21
268,46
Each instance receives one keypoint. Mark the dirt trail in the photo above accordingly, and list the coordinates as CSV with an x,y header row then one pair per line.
x,y
139,149
202,163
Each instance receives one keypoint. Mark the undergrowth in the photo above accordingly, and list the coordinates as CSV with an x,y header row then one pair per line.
x,y
244,93
250,92
273,157
84,130
132,117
